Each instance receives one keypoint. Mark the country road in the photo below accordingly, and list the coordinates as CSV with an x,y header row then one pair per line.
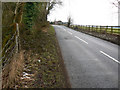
x,y
90,62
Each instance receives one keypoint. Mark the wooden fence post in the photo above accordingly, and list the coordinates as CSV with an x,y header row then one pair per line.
x,y
111,30
96,28
89,27
86,27
92,28
106,29
100,29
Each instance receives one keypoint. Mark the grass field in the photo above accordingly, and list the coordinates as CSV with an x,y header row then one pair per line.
x,y
101,29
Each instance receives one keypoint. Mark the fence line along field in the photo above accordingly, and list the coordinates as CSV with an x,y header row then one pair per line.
x,y
110,33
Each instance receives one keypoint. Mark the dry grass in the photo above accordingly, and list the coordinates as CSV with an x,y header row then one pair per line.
x,y
48,72
12,71
39,65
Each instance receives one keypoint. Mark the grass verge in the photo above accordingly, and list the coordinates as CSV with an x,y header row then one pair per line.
x,y
12,71
43,67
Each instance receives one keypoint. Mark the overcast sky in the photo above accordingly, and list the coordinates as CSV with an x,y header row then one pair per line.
x,y
86,12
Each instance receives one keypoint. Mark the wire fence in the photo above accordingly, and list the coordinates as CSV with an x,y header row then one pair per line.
x,y
110,33
10,44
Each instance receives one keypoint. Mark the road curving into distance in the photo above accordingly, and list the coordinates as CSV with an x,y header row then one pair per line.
x,y
90,62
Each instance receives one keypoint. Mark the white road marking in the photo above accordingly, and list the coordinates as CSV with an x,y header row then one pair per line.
x,y
69,32
63,28
110,57
81,39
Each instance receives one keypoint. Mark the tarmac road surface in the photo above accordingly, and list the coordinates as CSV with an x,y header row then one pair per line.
x,y
90,62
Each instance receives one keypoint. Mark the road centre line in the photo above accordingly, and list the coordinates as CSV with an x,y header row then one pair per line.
x,y
87,43
81,39
110,57
64,29
69,32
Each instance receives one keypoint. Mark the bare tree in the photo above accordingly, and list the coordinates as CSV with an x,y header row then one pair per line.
x,y
50,5
69,21
117,3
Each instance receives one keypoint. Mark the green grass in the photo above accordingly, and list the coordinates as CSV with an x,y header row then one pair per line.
x,y
108,30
